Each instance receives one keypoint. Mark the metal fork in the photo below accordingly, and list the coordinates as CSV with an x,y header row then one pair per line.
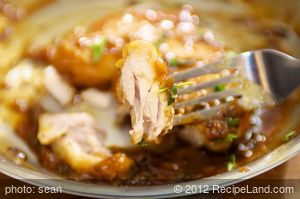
x,y
275,72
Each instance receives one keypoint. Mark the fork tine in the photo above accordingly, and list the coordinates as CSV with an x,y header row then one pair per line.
x,y
197,116
198,71
205,98
195,87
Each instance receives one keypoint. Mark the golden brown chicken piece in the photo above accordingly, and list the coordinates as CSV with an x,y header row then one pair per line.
x,y
78,141
83,64
87,55
142,74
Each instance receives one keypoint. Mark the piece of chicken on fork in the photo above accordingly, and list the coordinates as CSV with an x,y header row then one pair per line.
x,y
143,73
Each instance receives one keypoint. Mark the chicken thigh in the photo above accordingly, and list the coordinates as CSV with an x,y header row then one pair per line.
x,y
142,74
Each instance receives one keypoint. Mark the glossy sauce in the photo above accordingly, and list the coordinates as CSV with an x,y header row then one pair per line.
x,y
173,160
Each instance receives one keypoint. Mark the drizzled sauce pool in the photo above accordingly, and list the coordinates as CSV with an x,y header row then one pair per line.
x,y
174,160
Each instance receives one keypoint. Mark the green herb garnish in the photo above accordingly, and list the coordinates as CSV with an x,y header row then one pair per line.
x,y
230,137
173,62
288,136
231,164
173,91
219,87
98,49
143,143
171,100
173,94
179,85
233,122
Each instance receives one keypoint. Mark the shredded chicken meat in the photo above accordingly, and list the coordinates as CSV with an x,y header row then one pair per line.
x,y
142,74
78,141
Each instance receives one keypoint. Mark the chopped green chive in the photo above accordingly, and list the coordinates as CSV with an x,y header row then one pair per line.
x,y
230,137
231,164
179,85
173,91
98,49
219,87
288,136
233,122
173,94
171,100
173,62
233,158
143,143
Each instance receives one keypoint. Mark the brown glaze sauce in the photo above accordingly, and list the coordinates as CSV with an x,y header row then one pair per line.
x,y
173,160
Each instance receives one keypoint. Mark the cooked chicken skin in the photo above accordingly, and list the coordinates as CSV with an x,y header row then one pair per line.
x,y
77,140
142,74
